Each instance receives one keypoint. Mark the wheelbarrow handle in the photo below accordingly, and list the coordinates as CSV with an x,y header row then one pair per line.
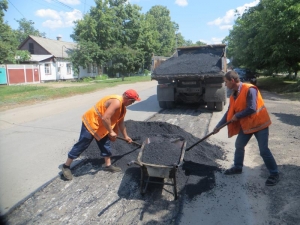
x,y
134,162
131,142
211,133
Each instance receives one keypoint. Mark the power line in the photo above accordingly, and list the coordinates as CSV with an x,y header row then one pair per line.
x,y
16,8
63,4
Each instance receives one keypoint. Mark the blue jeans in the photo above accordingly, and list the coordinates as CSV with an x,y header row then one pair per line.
x,y
262,138
85,140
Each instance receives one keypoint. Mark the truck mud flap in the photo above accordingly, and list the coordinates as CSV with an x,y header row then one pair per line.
x,y
215,94
165,93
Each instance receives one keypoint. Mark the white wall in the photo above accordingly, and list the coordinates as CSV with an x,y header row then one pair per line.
x,y
47,77
84,72
59,71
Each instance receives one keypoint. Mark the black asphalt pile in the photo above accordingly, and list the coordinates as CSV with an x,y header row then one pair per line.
x,y
190,64
98,197
200,161
163,150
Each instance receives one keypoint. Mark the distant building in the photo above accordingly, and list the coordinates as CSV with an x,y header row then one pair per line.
x,y
52,57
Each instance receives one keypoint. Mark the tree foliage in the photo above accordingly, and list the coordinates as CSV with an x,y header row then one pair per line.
x,y
26,27
8,42
267,37
117,36
10,39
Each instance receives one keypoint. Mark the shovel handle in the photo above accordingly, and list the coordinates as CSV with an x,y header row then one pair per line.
x,y
126,141
211,133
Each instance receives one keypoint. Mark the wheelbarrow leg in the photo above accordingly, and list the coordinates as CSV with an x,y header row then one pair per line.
x,y
144,184
175,188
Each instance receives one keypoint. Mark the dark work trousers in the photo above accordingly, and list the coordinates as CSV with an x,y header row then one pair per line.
x,y
85,140
262,138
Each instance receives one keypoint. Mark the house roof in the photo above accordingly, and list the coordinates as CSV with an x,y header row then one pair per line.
x,y
39,58
59,49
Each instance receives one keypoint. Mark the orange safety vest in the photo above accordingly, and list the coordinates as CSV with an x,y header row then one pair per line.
x,y
249,124
92,119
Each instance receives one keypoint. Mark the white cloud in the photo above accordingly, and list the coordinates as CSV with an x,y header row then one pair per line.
x,y
59,19
226,27
226,22
213,40
48,13
181,2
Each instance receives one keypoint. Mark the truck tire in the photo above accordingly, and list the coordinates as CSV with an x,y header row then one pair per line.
x,y
162,104
170,104
211,105
219,106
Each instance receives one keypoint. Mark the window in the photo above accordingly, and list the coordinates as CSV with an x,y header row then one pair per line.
x,y
89,68
31,48
47,69
94,68
69,68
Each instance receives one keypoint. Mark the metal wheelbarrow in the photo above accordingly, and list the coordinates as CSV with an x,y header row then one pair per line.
x,y
149,170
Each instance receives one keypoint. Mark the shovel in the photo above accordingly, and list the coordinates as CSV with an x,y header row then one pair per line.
x,y
211,133
131,142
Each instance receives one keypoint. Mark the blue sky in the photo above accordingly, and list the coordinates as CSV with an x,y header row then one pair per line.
x,y
207,21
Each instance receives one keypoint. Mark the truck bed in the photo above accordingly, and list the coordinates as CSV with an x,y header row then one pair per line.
x,y
190,65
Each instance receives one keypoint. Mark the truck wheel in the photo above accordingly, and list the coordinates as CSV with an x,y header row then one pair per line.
x,y
162,104
219,106
170,104
211,105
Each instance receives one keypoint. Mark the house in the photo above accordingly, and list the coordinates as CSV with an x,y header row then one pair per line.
x,y
52,57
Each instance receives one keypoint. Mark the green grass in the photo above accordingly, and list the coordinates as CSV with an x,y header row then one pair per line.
x,y
16,95
281,85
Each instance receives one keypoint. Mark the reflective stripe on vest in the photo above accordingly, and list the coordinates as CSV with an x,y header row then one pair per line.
x,y
97,111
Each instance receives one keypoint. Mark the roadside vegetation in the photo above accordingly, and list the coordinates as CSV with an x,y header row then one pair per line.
x,y
282,85
17,95
266,38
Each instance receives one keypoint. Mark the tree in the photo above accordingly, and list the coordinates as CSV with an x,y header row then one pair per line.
x,y
160,20
26,28
110,25
8,42
266,37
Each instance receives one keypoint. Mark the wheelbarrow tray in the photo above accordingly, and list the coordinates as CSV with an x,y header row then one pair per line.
x,y
149,171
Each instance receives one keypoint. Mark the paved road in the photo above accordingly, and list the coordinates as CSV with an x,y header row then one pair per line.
x,y
35,139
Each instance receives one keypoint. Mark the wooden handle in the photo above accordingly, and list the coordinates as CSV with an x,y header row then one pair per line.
x,y
211,133
126,141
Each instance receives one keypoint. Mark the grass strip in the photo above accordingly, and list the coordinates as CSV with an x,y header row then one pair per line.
x,y
22,94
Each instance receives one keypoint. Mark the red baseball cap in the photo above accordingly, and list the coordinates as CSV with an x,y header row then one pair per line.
x,y
132,94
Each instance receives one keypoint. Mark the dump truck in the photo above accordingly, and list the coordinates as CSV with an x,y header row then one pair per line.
x,y
193,75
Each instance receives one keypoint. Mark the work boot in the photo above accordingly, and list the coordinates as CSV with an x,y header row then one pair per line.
x,y
232,171
272,180
67,172
112,168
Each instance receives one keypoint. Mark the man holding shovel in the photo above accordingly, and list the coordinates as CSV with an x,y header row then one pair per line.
x,y
102,122
248,116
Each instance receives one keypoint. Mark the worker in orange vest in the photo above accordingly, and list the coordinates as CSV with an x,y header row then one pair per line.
x,y
102,122
249,116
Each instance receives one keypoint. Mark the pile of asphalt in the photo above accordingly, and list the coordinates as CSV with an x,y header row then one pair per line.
x,y
163,150
191,64
95,197
200,161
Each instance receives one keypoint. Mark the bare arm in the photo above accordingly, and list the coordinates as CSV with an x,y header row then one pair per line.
x,y
123,131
